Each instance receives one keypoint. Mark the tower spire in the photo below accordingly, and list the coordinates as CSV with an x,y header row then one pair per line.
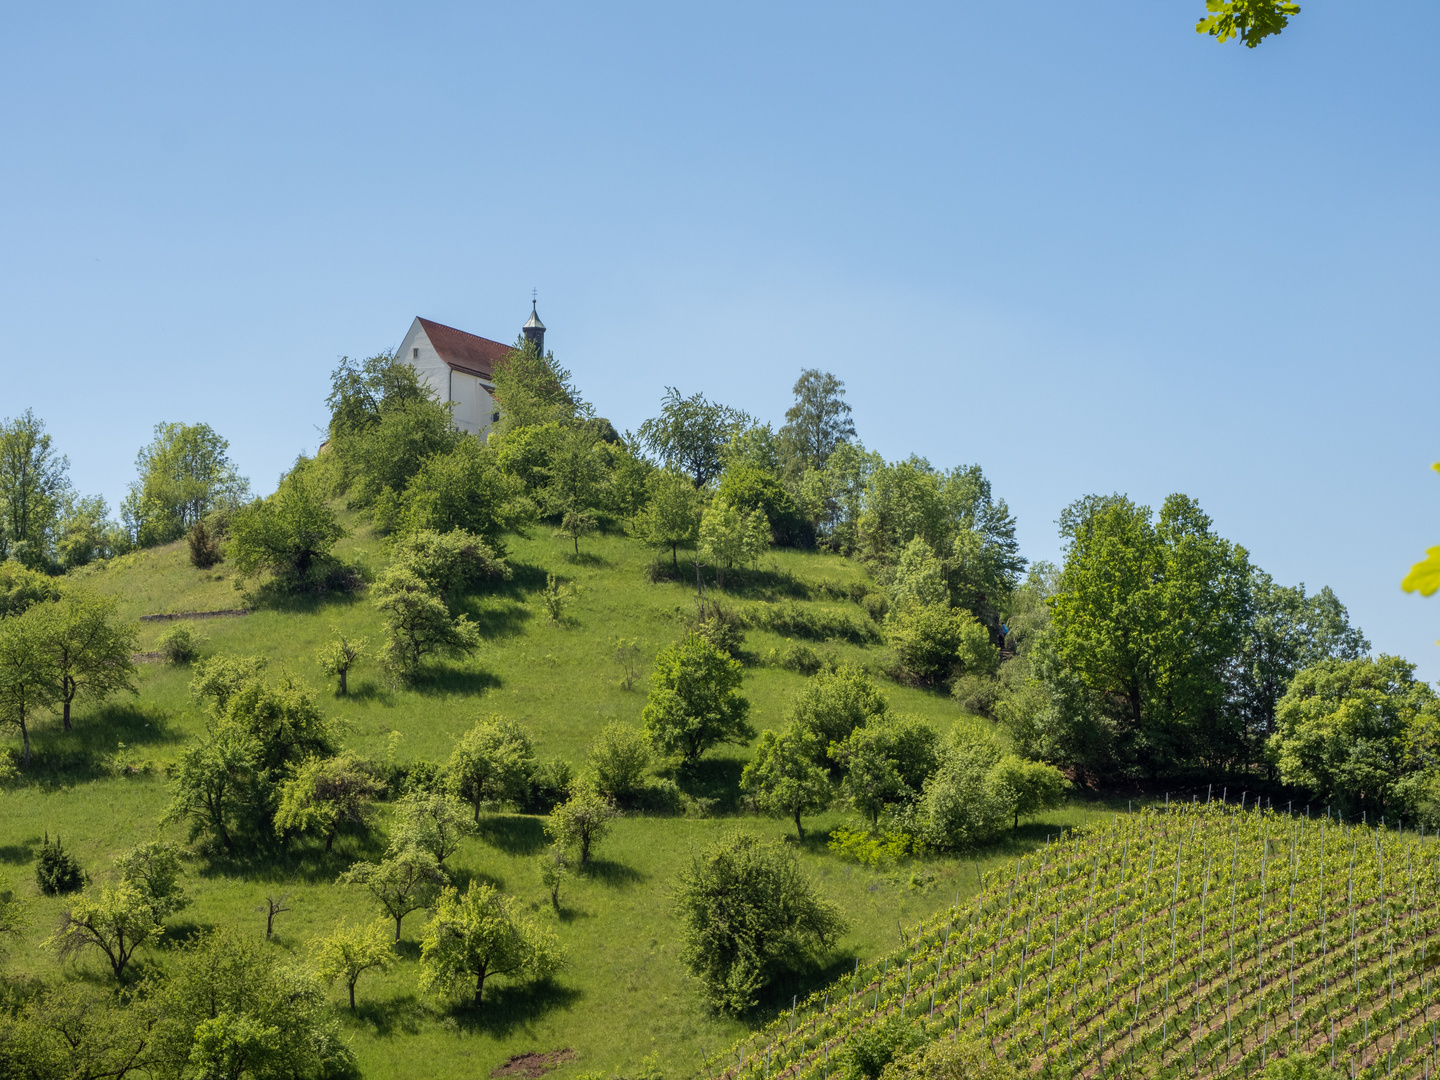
x,y
534,329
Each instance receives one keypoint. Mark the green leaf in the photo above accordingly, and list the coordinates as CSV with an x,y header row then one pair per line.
x,y
1424,576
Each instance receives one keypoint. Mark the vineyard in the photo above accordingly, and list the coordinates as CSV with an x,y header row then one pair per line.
x,y
1188,940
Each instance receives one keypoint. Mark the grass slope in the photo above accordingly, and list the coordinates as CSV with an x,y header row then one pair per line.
x,y
1180,941
625,993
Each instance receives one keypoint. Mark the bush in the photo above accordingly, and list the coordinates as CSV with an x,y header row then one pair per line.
x,y
932,642
619,758
799,657
876,605
550,785
799,620
204,546
56,871
179,645
869,1049
662,796
721,628
871,847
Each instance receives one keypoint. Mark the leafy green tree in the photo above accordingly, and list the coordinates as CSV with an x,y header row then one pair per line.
x,y
964,802
417,622
832,704
185,474
86,532
1033,785
783,780
691,433
22,588
430,821
27,682
532,390
85,648
75,1029
671,516
918,577
117,921
886,762
326,793
450,562
932,642
695,700
1148,616
817,422
154,869
350,951
574,524
749,490
233,1007
1354,731
385,426
746,909
290,534
576,474
338,655
554,864
483,934
728,537
618,759
34,485
213,785
407,879
582,820
833,498
462,488
1252,21
491,763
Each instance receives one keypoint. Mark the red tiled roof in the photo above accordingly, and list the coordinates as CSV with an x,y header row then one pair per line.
x,y
469,353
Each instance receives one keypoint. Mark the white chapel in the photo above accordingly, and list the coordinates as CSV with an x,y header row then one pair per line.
x,y
460,367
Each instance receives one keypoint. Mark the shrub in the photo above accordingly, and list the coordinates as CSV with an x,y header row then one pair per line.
x,y
56,871
932,642
799,657
876,605
870,1048
179,645
550,785
695,700
450,562
832,704
871,847
618,759
962,1059
204,546
721,628
805,621
556,597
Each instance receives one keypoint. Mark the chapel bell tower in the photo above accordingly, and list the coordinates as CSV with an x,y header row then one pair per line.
x,y
534,331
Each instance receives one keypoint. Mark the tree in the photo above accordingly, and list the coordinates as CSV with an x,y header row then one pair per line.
x,y
408,879
575,524
12,917
34,485
491,763
728,537
695,701
671,516
532,389
745,908
117,921
483,934
232,1007
933,641
1252,21
75,1030
185,474
289,534
832,704
450,562
576,474
886,762
1033,786
817,422
783,779
618,760
554,869
27,681
1148,616
351,951
584,819
690,434
418,622
750,489
338,655
457,488
213,786
432,822
85,649
326,793
22,588
153,869
1353,732
964,803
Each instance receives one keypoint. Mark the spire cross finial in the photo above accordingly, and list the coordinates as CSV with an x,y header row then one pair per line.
x,y
533,294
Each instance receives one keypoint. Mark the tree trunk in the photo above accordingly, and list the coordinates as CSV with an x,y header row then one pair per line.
x,y
330,842
675,557
25,736
584,849
343,688
352,997
479,984
397,926
798,827
576,538
65,715
477,808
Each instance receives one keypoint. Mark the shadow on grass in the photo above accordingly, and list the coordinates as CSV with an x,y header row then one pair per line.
x,y
370,690
586,558
181,933
717,779
271,596
568,914
402,1015
87,751
304,862
504,618
23,852
613,873
463,878
514,835
452,680
504,1009
798,981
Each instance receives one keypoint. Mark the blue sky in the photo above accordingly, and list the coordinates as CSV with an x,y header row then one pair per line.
x,y
1077,244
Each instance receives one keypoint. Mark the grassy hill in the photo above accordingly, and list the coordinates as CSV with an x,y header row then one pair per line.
x,y
625,994
1180,941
